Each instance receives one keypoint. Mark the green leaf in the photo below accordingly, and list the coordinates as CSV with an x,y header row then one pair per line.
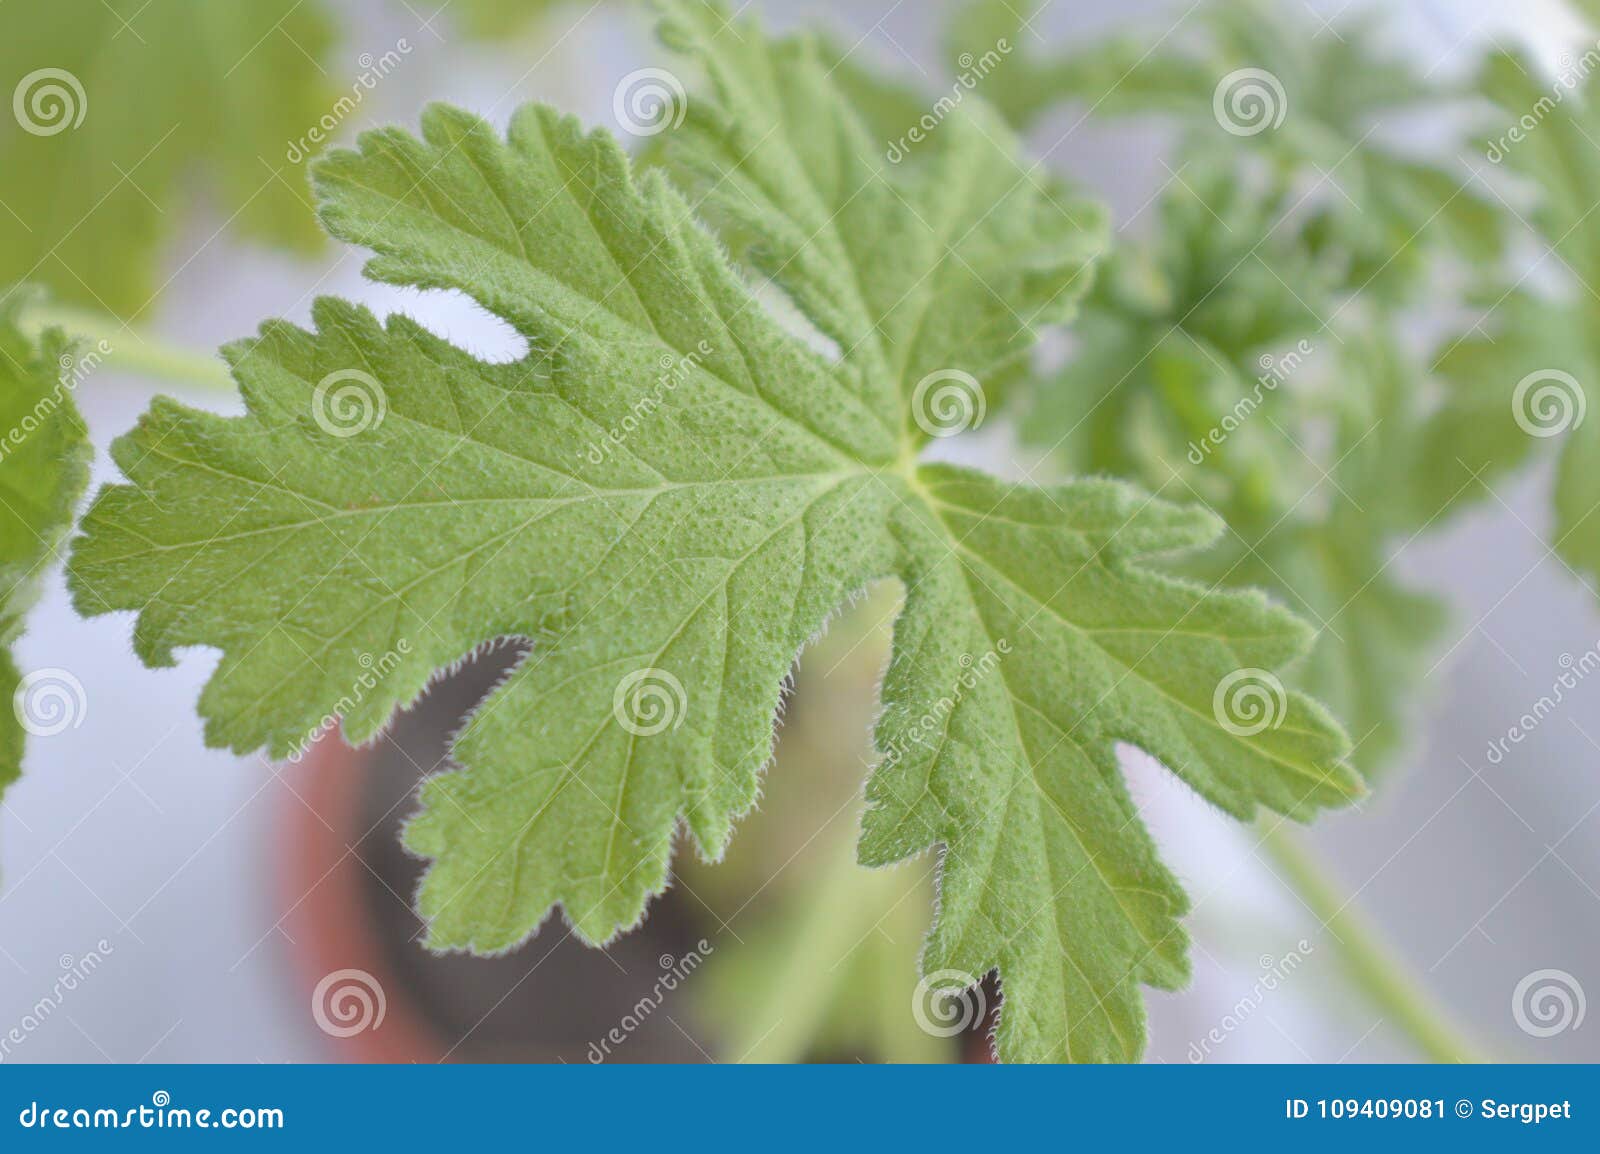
x,y
44,468
120,104
1535,368
493,19
1253,80
1203,367
670,494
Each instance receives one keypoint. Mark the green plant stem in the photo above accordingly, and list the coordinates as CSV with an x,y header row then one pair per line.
x,y
842,905
131,349
1372,965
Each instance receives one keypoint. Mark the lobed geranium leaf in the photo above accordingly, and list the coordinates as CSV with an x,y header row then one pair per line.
x,y
44,468
670,493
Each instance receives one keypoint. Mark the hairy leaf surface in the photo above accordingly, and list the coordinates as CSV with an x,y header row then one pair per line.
x,y
670,494
44,467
